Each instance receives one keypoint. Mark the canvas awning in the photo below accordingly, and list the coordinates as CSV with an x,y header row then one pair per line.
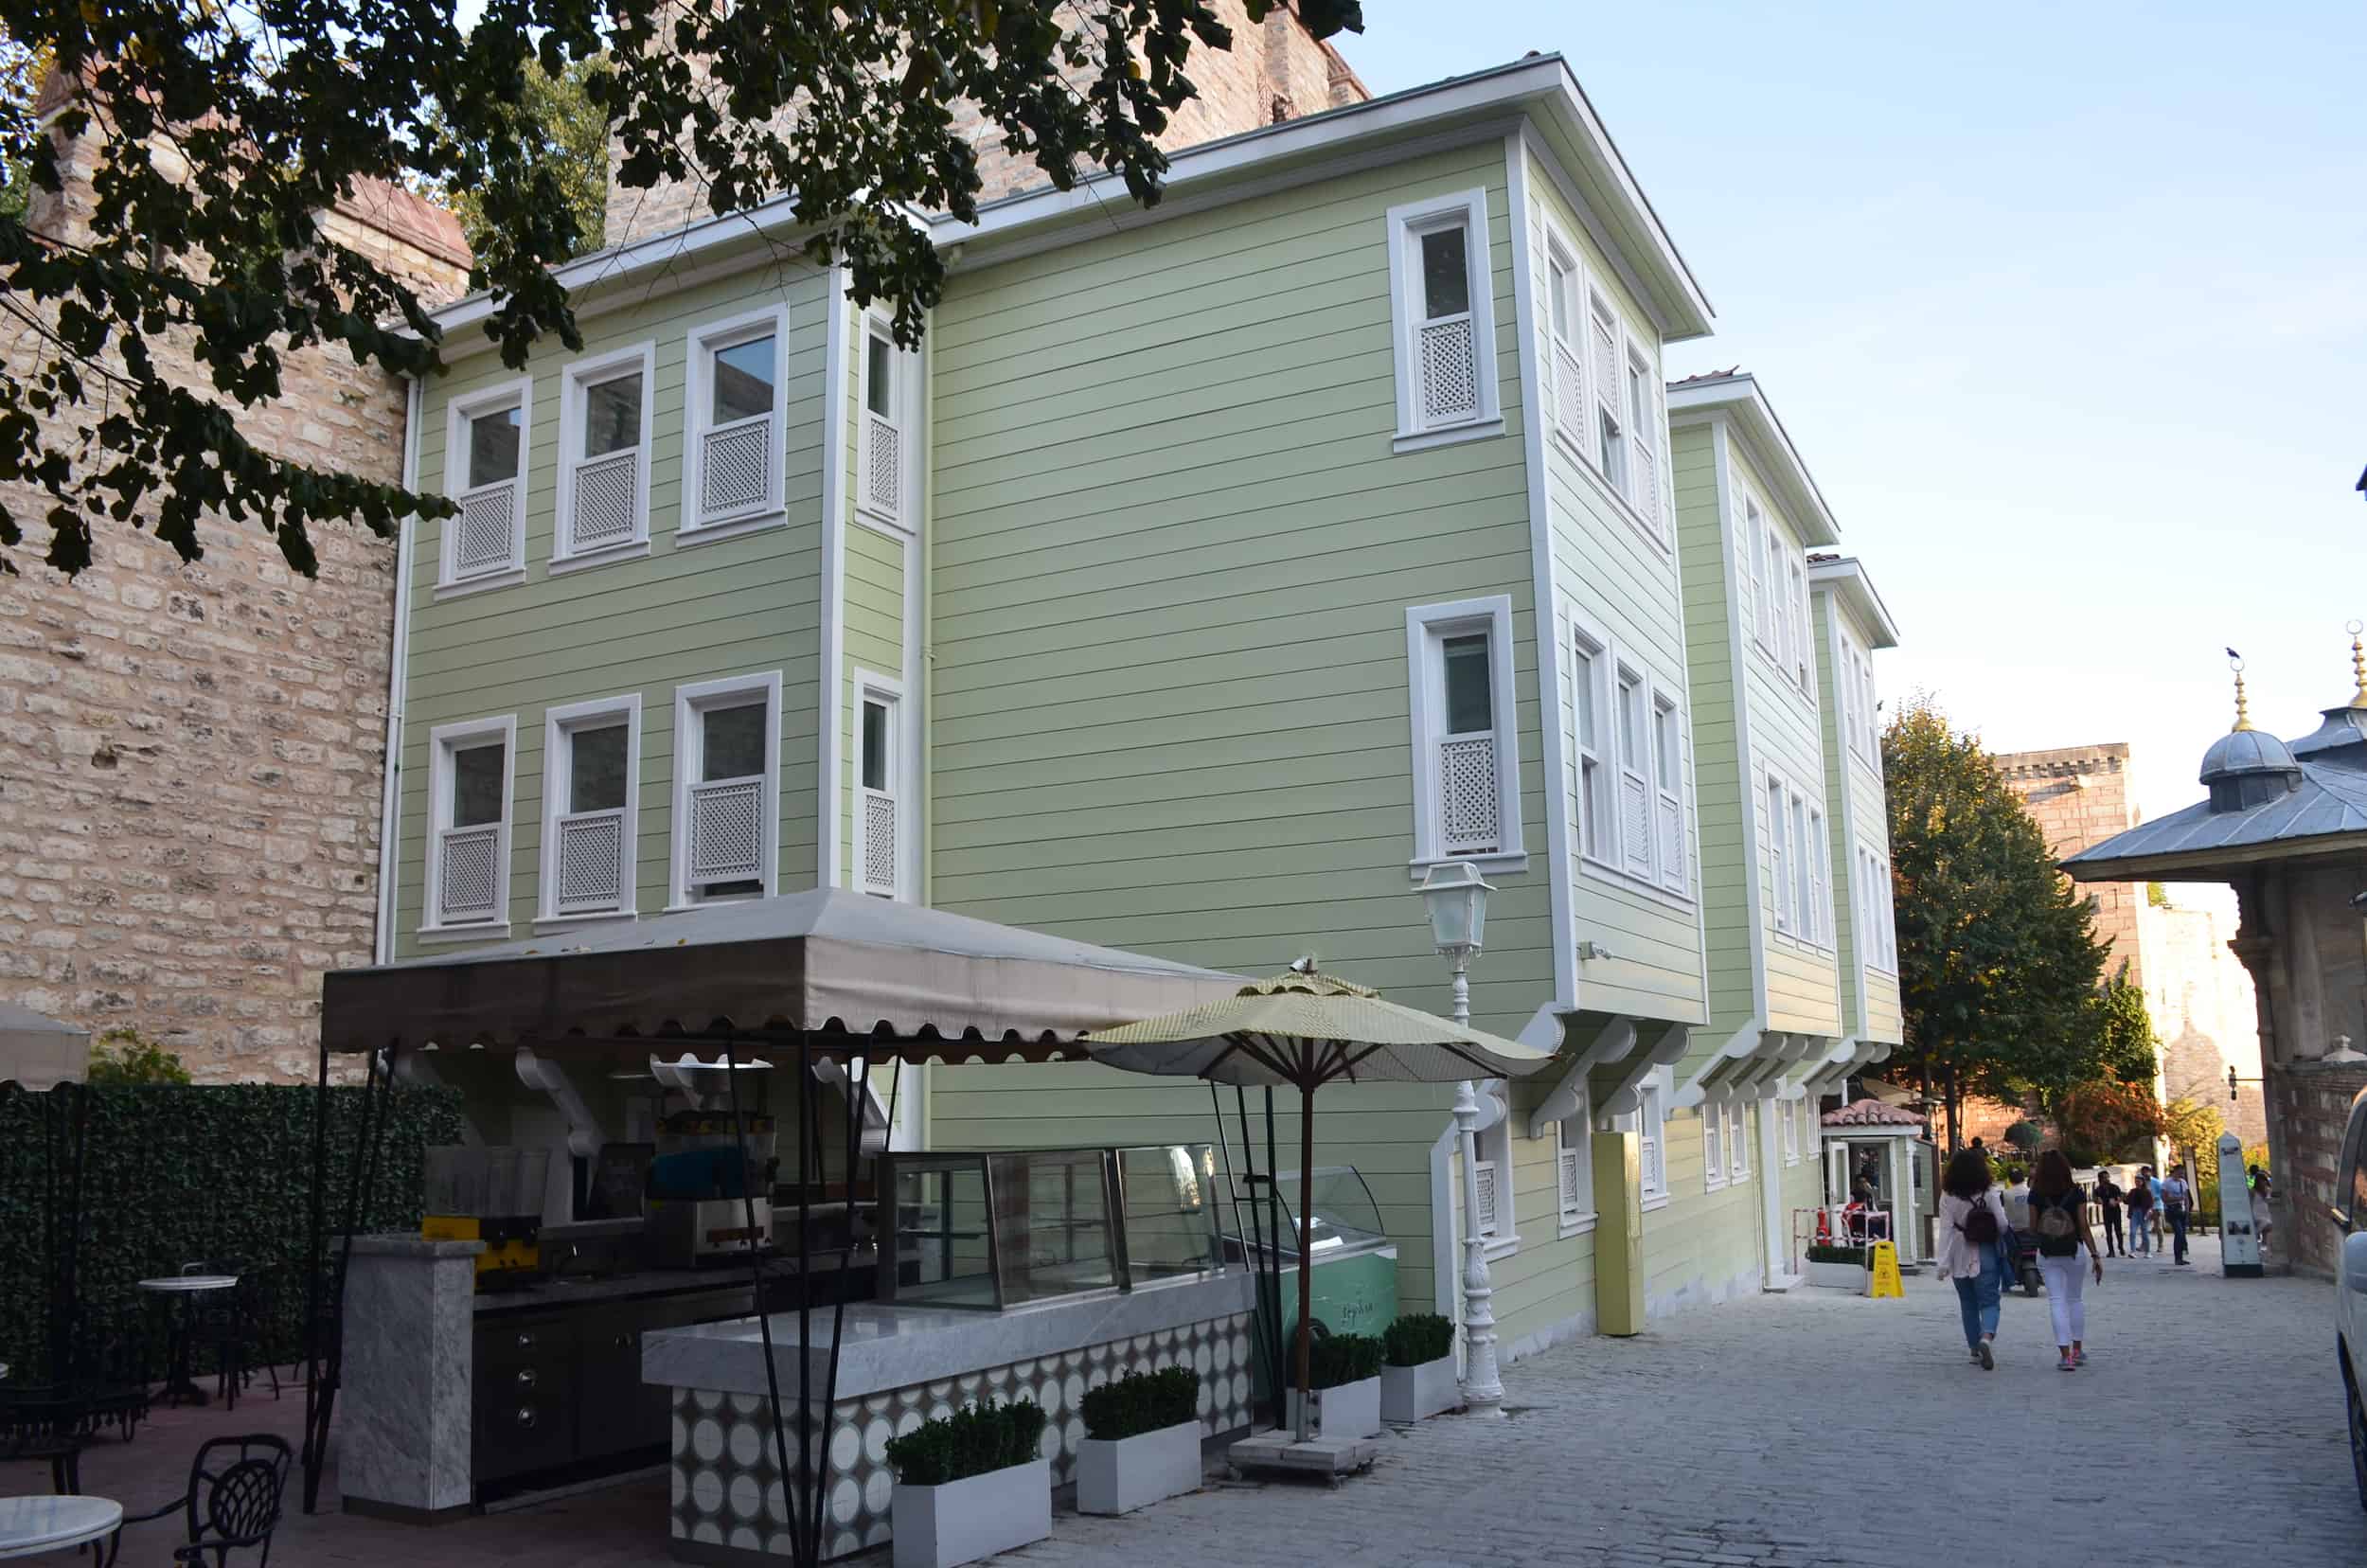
x,y
38,1052
936,983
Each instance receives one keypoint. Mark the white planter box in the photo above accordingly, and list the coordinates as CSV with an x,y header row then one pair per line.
x,y
1418,1393
1847,1276
1351,1410
963,1521
1135,1472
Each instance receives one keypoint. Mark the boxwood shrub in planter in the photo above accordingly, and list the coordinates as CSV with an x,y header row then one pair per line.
x,y
1417,1368
1841,1267
1141,1441
970,1485
1345,1372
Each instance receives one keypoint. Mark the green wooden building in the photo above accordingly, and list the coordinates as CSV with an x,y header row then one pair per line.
x,y
1209,573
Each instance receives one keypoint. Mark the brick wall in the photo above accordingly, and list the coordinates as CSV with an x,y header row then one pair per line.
x,y
1274,71
2080,795
189,802
2310,1104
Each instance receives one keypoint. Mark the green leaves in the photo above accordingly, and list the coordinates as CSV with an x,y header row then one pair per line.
x,y
223,132
974,1440
1140,1402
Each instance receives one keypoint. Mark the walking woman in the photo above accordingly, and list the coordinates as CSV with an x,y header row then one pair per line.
x,y
2058,1213
2140,1214
1972,1222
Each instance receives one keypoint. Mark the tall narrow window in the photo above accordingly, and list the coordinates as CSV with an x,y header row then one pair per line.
x,y
1713,1145
1738,1141
1803,670
1598,822
878,817
1652,1125
1642,421
1666,762
880,488
1791,1112
1610,434
1796,844
604,457
1779,868
1568,366
727,788
1872,705
1574,1166
485,463
731,463
1440,305
1635,784
468,847
1493,1170
590,753
1766,620
1820,879
1466,782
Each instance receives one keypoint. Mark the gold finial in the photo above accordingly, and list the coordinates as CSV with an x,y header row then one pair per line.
x,y
2358,665
2243,718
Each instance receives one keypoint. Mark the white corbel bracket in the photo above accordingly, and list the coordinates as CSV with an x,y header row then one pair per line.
x,y
1663,1049
418,1070
1739,1046
1612,1042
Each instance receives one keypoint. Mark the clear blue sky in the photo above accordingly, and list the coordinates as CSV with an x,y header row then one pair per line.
x,y
2065,306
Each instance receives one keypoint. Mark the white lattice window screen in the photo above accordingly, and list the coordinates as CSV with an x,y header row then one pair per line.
x,y
468,884
1483,1177
1450,380
1713,1144
1564,366
883,465
1468,794
735,469
607,501
484,533
1602,365
1446,342
590,862
1654,1179
727,830
1738,1142
1569,1161
879,842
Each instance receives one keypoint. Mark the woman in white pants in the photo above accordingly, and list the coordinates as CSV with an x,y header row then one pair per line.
x,y
2058,1216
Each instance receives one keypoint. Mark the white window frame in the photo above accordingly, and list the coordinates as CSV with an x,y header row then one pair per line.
x,y
1671,863
558,727
518,393
1629,683
1407,224
1878,942
692,525
1737,1142
1502,1232
1646,465
1820,875
1565,361
442,741
1803,654
1427,629
871,686
1790,1113
1592,661
1601,844
1799,862
1758,539
692,702
1649,1122
1871,703
1777,799
897,511
1847,699
1573,1186
1712,1146
573,381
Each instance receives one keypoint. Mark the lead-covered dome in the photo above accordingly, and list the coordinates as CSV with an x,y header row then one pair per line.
x,y
2248,767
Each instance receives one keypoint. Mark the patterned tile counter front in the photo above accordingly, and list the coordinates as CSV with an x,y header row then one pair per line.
x,y
727,1501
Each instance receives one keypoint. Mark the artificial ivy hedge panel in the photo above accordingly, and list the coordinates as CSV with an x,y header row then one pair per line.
x,y
177,1174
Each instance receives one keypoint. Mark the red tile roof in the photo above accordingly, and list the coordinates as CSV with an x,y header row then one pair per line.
x,y
1870,1112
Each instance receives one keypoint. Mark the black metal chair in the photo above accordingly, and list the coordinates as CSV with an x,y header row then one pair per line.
x,y
39,1423
233,1502
110,1371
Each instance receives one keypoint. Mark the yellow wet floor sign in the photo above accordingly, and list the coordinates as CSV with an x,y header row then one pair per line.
x,y
1886,1282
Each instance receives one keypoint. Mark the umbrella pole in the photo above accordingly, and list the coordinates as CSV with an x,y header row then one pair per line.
x,y
1306,1242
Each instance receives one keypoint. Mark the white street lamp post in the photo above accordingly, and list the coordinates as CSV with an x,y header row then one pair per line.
x,y
1457,901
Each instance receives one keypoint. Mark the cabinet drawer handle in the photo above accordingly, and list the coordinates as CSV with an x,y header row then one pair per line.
x,y
526,1378
526,1342
525,1416
624,1342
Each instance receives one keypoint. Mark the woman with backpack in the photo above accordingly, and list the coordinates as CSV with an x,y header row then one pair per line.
x,y
2059,1214
1972,1227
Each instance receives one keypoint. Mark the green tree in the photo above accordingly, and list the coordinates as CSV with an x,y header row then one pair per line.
x,y
560,129
224,129
2101,1121
1998,957
127,1056
2192,1128
2125,1041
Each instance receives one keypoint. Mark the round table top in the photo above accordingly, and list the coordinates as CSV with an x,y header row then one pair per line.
x,y
190,1282
30,1525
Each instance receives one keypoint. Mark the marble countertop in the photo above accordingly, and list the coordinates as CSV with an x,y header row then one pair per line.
x,y
572,1291
890,1346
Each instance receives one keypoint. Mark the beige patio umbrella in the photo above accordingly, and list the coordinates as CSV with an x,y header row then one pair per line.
x,y
1304,1030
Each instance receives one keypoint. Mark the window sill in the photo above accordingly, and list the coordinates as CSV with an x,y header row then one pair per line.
x,y
679,906
1656,1201
633,550
1576,1224
1497,1248
1423,441
465,586
546,925
882,522
1625,509
1629,880
737,527
1717,1184
490,932
1504,862
1803,945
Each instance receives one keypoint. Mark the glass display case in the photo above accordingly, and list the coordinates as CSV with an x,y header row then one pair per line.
x,y
1344,1219
999,1228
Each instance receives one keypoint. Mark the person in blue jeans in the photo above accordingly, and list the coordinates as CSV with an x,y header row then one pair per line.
x,y
2174,1195
1971,1233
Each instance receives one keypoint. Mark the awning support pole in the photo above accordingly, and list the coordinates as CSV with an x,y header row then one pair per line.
x,y
756,1304
315,1352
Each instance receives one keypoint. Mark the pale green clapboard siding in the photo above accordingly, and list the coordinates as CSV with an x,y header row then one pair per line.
x,y
1171,557
1855,791
875,642
1623,583
1709,602
732,606
1702,1245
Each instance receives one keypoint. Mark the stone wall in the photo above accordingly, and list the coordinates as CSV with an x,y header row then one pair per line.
x,y
2080,795
1274,71
189,803
2310,1105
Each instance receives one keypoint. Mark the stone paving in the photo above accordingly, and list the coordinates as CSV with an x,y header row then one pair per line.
x,y
1811,1428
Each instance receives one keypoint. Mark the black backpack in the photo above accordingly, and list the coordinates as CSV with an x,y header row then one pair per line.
x,y
1980,1227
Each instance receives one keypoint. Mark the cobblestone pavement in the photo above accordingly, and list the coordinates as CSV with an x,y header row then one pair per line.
x,y
1806,1429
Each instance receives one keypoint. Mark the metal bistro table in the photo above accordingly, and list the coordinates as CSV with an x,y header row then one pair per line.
x,y
31,1526
178,1288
